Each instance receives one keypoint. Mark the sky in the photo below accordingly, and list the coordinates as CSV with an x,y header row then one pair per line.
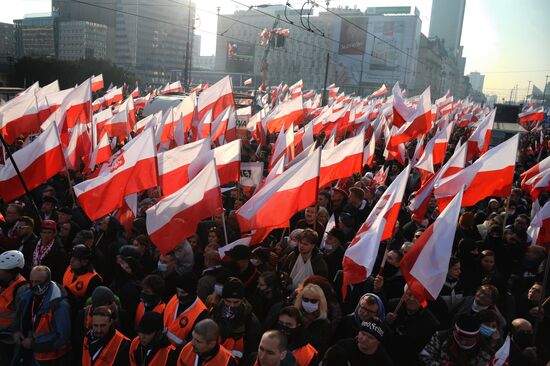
x,y
502,39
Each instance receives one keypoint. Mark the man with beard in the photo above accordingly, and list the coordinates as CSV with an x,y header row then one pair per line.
x,y
104,344
183,310
151,346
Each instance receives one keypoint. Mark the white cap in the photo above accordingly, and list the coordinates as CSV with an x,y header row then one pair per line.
x,y
11,259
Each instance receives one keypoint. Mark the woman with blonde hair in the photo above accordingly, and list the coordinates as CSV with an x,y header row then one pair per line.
x,y
312,303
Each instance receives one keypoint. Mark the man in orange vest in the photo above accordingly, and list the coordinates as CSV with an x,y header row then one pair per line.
x,y
104,345
272,351
42,322
183,310
204,348
12,286
151,346
80,278
290,323
152,288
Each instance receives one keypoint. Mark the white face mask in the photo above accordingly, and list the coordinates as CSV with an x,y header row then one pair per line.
x,y
477,308
255,262
218,289
292,244
328,246
309,307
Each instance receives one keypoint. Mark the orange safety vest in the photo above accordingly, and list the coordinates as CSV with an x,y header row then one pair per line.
x,y
179,327
7,312
160,358
108,354
188,357
141,310
78,285
235,346
304,354
44,326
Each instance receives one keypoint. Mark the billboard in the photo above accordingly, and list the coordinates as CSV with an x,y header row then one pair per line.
x,y
352,39
239,57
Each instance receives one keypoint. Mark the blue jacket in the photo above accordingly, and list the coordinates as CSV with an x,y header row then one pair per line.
x,y
60,336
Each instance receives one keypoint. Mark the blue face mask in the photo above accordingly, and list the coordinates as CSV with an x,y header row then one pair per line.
x,y
162,267
486,330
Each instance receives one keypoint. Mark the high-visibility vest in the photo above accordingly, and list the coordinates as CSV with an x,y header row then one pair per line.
x,y
304,354
44,325
235,346
141,310
160,358
179,327
107,355
7,305
78,285
188,357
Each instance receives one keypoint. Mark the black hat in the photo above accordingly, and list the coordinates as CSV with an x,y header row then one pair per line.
x,y
233,288
468,324
347,219
66,210
129,251
81,251
82,236
338,234
374,327
151,322
49,199
102,296
188,283
239,252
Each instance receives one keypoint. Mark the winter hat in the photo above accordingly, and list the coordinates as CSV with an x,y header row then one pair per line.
x,y
233,288
381,309
151,322
347,219
188,283
102,296
374,327
49,225
467,325
338,234
239,252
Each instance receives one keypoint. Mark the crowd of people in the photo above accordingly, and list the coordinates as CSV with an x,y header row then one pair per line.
x,y
74,291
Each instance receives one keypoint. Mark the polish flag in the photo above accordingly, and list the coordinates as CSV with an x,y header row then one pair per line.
x,y
303,138
98,122
283,115
19,119
276,202
186,109
174,87
543,185
301,156
539,229
177,166
175,217
536,169
216,99
220,125
380,177
228,161
251,176
369,152
531,183
132,169
419,123
97,82
117,126
248,81
361,254
426,264
101,153
140,102
444,104
425,165
419,204
489,176
381,91
283,146
164,132
441,142
79,148
532,114
38,161
401,111
112,96
478,143
127,213
501,356
308,94
135,93
150,120
342,161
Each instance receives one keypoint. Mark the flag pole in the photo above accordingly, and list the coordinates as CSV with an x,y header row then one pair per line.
x,y
27,192
399,304
224,227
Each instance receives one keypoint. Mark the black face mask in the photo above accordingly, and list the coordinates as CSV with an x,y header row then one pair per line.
x,y
149,301
523,339
81,270
186,300
41,289
289,332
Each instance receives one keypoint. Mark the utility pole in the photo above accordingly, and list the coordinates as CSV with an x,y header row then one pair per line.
x,y
324,99
526,95
264,66
188,45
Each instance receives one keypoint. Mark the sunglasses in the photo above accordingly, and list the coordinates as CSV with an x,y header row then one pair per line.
x,y
311,301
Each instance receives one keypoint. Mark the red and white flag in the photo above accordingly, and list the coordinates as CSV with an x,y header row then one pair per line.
x,y
489,176
380,91
38,161
361,254
118,126
140,102
150,121
539,230
174,87
533,171
284,114
291,192
501,356
369,152
541,185
219,126
304,137
532,114
215,99
79,148
135,93
175,217
248,81
342,161
97,82
478,143
101,153
132,169
19,119
284,145
112,96
401,111
441,141
426,264
228,161
418,124
251,176
177,166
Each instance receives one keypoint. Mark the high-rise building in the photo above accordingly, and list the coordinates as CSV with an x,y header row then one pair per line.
x,y
7,41
36,36
476,80
446,21
196,50
80,39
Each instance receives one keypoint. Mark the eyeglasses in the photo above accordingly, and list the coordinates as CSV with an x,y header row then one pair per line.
x,y
311,301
